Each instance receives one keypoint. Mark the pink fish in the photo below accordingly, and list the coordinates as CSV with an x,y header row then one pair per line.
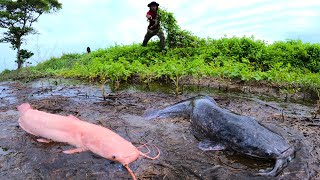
x,y
83,135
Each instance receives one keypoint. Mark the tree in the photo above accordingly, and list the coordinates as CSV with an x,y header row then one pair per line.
x,y
17,17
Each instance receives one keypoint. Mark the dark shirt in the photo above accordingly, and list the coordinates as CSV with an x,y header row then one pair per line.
x,y
153,20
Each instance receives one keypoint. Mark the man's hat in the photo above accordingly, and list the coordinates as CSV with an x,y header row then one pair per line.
x,y
153,3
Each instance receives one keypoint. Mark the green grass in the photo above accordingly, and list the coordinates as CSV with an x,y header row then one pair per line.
x,y
291,63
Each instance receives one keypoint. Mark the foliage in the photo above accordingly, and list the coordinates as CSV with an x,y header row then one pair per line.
x,y
297,53
25,54
65,61
223,58
17,17
291,64
174,69
176,37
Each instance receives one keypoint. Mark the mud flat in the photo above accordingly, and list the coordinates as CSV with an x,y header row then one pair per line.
x,y
22,157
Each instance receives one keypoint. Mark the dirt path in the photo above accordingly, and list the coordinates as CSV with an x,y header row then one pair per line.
x,y
22,157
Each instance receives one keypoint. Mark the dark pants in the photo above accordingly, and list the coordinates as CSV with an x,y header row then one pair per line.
x,y
151,33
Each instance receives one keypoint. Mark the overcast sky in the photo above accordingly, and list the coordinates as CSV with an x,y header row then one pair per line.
x,y
102,23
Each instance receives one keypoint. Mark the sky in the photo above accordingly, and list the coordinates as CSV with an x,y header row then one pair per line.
x,y
99,24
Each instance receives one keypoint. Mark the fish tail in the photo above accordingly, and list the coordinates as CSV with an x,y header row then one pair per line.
x,y
281,162
151,114
182,108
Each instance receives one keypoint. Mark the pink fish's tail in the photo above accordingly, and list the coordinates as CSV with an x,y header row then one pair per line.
x,y
24,107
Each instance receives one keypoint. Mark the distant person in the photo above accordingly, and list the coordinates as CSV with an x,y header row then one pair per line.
x,y
154,25
88,50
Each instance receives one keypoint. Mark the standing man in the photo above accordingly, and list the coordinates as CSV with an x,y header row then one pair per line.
x,y
154,25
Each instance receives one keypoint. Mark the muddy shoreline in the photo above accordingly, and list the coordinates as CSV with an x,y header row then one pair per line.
x,y
22,157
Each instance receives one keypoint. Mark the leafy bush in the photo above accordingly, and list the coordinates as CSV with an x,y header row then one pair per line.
x,y
176,37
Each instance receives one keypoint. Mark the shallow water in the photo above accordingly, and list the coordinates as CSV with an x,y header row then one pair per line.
x,y
22,157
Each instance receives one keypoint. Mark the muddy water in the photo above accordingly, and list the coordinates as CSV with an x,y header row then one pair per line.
x,y
22,157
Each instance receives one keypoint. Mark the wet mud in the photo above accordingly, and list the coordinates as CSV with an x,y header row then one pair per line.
x,y
22,157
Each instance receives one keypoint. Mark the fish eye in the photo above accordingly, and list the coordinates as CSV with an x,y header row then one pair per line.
x,y
113,157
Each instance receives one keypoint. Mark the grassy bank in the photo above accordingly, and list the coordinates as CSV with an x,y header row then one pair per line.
x,y
293,63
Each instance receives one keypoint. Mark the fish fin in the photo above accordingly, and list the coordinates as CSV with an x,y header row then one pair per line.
x,y
21,125
42,140
76,150
207,145
73,117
